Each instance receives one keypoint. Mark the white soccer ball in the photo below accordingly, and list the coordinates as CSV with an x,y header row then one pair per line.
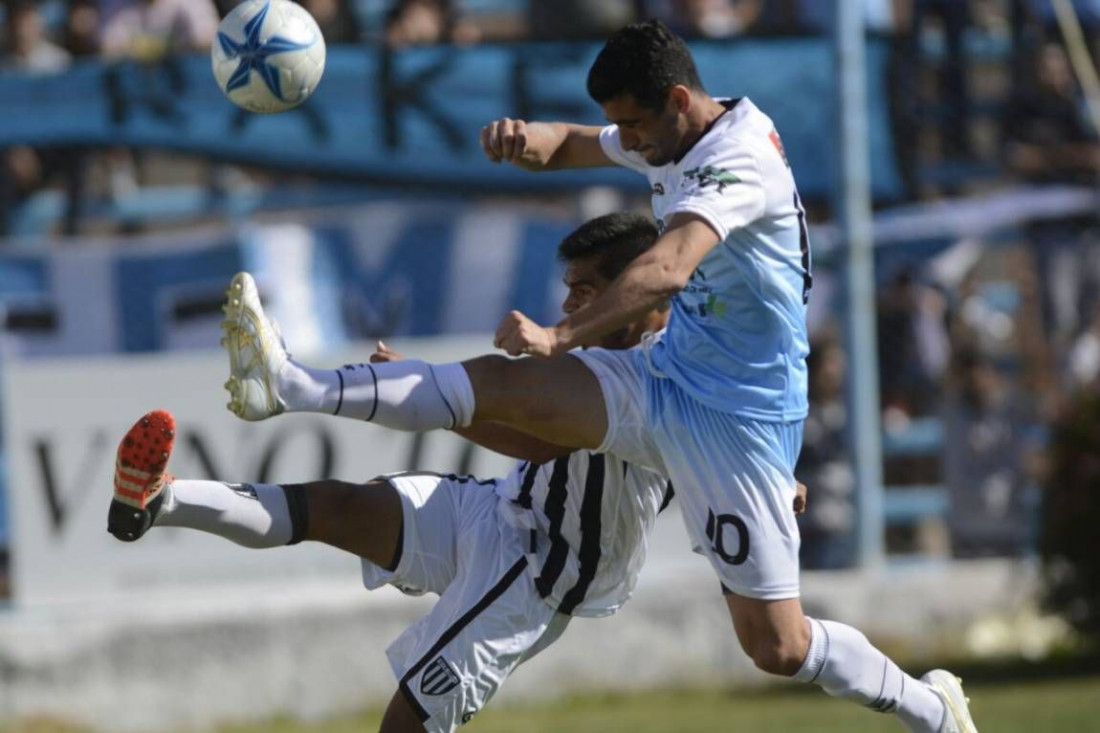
x,y
269,55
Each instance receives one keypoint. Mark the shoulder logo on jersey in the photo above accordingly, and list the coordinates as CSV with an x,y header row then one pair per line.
x,y
658,189
778,143
439,677
710,176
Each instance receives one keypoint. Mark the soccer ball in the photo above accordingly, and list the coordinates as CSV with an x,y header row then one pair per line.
x,y
269,55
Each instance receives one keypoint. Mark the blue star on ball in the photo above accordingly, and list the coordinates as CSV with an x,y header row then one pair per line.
x,y
253,54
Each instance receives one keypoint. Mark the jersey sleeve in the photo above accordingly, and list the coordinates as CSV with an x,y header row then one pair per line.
x,y
723,186
613,148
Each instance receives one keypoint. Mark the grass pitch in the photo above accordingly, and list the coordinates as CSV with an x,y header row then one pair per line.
x,y
1057,705
1048,706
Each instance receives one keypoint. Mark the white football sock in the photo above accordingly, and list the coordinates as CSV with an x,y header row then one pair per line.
x,y
404,395
253,515
845,664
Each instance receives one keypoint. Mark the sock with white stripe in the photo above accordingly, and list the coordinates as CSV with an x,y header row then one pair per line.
x,y
845,664
253,515
404,395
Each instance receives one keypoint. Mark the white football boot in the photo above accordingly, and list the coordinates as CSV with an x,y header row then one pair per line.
x,y
949,687
256,353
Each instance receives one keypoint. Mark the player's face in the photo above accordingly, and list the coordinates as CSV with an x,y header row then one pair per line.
x,y
584,281
585,284
656,135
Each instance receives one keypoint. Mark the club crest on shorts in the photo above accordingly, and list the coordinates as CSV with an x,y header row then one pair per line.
x,y
439,677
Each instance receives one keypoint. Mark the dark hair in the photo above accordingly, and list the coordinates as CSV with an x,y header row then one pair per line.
x,y
616,239
644,60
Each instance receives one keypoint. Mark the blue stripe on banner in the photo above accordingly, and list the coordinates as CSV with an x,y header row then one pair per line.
x,y
404,294
24,275
425,250
144,286
537,270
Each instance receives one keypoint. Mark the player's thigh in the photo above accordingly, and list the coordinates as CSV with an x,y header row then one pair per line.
x,y
626,384
363,519
735,485
558,400
434,511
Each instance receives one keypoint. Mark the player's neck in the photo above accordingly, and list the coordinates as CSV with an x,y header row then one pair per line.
x,y
699,119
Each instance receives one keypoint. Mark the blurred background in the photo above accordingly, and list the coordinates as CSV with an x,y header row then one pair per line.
x,y
948,155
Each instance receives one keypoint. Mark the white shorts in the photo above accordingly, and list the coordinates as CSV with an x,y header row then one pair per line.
x,y
489,617
733,476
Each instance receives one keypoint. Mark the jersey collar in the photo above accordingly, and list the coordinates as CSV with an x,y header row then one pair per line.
x,y
728,104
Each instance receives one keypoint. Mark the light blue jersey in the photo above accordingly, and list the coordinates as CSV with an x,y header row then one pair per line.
x,y
737,340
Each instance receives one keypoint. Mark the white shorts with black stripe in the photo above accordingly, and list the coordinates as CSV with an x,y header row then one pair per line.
x,y
489,617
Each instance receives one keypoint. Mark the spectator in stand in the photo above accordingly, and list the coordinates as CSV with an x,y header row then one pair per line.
x,y
24,169
707,18
148,30
1083,363
336,18
827,527
80,32
26,47
815,16
425,22
572,19
987,458
912,348
1050,140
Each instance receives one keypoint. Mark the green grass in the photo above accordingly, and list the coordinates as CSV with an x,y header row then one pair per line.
x,y
1065,705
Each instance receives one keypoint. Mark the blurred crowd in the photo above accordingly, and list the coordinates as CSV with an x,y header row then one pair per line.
x,y
975,359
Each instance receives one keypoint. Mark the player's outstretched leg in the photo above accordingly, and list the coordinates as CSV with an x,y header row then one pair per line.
x,y
140,475
949,687
363,519
265,381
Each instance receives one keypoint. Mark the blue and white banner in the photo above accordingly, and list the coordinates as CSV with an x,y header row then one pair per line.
x,y
380,270
412,117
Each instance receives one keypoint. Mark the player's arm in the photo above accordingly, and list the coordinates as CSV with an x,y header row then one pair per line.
x,y
511,442
543,146
652,277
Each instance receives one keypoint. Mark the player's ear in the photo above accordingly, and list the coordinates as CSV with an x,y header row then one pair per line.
x,y
679,98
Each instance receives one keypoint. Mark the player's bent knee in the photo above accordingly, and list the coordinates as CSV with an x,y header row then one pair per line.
x,y
363,519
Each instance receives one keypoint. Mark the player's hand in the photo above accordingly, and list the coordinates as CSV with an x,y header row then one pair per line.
x,y
518,335
799,497
383,353
506,140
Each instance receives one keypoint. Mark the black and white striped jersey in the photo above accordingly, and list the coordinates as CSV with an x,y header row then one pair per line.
x,y
589,516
